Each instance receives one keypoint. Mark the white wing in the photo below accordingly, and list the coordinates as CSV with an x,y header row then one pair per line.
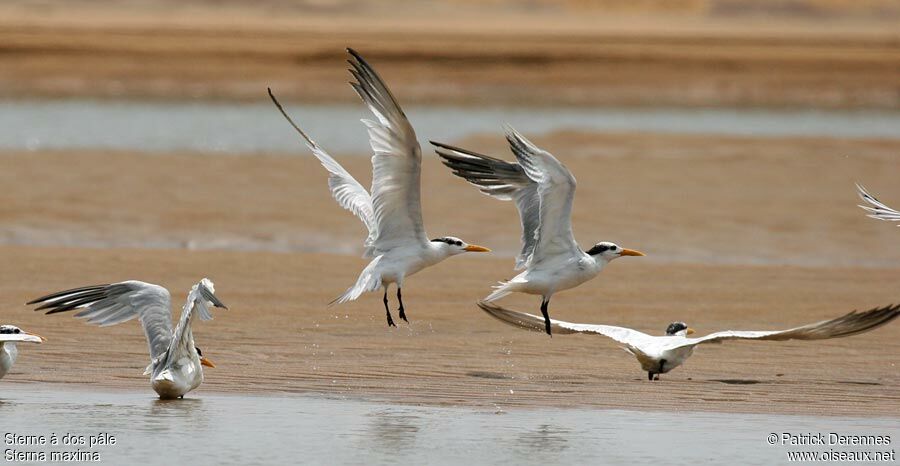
x,y
844,326
113,304
396,163
348,193
556,188
632,339
502,180
201,296
543,188
876,208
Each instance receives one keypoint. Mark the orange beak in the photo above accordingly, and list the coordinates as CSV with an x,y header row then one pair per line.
x,y
631,252
476,248
690,331
40,338
206,362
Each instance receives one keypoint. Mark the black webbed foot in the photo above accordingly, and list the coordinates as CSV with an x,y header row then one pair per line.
x,y
387,311
402,311
546,314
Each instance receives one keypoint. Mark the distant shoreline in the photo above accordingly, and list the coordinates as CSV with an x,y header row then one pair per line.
x,y
530,58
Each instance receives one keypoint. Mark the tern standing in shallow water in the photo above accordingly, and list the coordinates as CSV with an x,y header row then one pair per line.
x,y
660,354
544,191
392,213
175,361
10,336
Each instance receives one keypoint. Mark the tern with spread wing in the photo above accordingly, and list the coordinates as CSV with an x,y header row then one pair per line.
x,y
392,212
10,337
876,208
660,354
544,191
175,361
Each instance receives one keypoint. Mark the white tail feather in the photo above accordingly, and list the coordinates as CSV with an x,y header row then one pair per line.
x,y
369,280
501,290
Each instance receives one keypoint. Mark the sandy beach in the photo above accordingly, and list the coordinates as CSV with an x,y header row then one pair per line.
x,y
697,53
734,240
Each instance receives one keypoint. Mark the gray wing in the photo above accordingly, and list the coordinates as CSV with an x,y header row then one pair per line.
x,y
348,193
556,189
844,326
633,339
876,208
396,163
113,304
199,300
502,180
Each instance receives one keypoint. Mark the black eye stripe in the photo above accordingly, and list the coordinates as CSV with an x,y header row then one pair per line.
x,y
597,249
449,241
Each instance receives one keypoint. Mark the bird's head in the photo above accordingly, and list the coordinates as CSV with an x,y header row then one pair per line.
x,y
21,334
678,329
452,246
609,251
203,361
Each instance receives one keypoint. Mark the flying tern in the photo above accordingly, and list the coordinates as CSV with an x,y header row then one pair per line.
x,y
544,190
10,336
392,212
660,354
175,361
876,208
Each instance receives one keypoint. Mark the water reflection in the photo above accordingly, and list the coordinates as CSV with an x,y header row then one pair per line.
x,y
547,438
165,415
390,430
211,429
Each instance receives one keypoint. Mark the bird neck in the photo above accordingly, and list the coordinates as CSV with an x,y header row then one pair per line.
x,y
599,261
437,252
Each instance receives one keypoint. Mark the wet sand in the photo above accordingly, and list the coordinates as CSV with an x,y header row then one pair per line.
x,y
457,52
740,233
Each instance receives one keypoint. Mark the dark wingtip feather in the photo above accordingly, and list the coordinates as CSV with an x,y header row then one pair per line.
x,y
66,292
209,296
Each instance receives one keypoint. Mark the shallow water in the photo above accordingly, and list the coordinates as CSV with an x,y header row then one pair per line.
x,y
257,127
227,429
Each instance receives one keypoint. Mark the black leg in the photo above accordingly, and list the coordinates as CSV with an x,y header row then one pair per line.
x,y
662,363
388,311
546,316
650,376
400,298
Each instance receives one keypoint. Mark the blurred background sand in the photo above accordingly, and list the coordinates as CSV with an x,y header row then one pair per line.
x,y
742,231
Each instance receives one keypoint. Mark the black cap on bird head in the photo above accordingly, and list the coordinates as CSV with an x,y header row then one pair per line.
x,y
676,328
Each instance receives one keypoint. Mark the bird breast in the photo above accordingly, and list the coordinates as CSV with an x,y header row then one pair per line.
x,y
177,379
8,352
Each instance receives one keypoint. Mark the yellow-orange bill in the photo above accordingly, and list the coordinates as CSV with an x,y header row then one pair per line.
x,y
476,248
206,362
690,331
40,339
631,252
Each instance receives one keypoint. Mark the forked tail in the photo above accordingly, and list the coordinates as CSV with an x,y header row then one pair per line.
x,y
501,290
369,280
